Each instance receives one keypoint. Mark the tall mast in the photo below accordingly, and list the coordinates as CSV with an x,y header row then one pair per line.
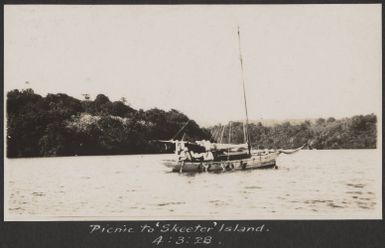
x,y
245,125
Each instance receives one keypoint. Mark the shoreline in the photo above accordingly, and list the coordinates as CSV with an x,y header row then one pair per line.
x,y
150,154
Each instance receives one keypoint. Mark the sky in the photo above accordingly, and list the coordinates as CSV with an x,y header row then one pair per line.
x,y
300,61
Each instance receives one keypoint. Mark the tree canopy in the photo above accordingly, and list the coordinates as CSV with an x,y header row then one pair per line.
x,y
357,132
60,125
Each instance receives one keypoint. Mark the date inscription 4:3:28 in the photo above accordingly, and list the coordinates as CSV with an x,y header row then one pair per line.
x,y
183,240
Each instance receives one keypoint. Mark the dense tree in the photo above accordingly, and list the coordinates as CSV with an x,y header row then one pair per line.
x,y
358,132
59,125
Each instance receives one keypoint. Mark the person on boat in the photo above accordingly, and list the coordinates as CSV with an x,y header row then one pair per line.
x,y
179,146
208,156
184,155
197,156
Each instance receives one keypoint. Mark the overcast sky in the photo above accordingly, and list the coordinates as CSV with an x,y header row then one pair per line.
x,y
300,61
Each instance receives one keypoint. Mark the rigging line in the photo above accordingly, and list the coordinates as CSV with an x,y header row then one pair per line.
x,y
245,125
180,130
219,133
223,131
228,149
212,132
214,135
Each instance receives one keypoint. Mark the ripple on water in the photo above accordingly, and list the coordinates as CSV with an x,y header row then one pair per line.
x,y
363,207
252,187
362,204
354,192
245,192
16,209
364,198
317,201
219,203
365,204
38,193
170,203
333,205
356,185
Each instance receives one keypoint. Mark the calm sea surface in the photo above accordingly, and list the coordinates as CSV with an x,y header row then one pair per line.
x,y
308,184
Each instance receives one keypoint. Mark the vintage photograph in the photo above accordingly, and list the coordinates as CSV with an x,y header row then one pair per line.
x,y
192,112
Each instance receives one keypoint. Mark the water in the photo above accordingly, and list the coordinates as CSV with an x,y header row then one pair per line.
x,y
309,184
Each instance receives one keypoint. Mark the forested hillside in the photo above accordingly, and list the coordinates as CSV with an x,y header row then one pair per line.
x,y
357,132
60,125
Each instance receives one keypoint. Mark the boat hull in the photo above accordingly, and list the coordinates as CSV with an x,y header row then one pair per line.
x,y
254,162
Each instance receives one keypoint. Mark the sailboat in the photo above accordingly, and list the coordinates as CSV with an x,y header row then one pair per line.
x,y
205,156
